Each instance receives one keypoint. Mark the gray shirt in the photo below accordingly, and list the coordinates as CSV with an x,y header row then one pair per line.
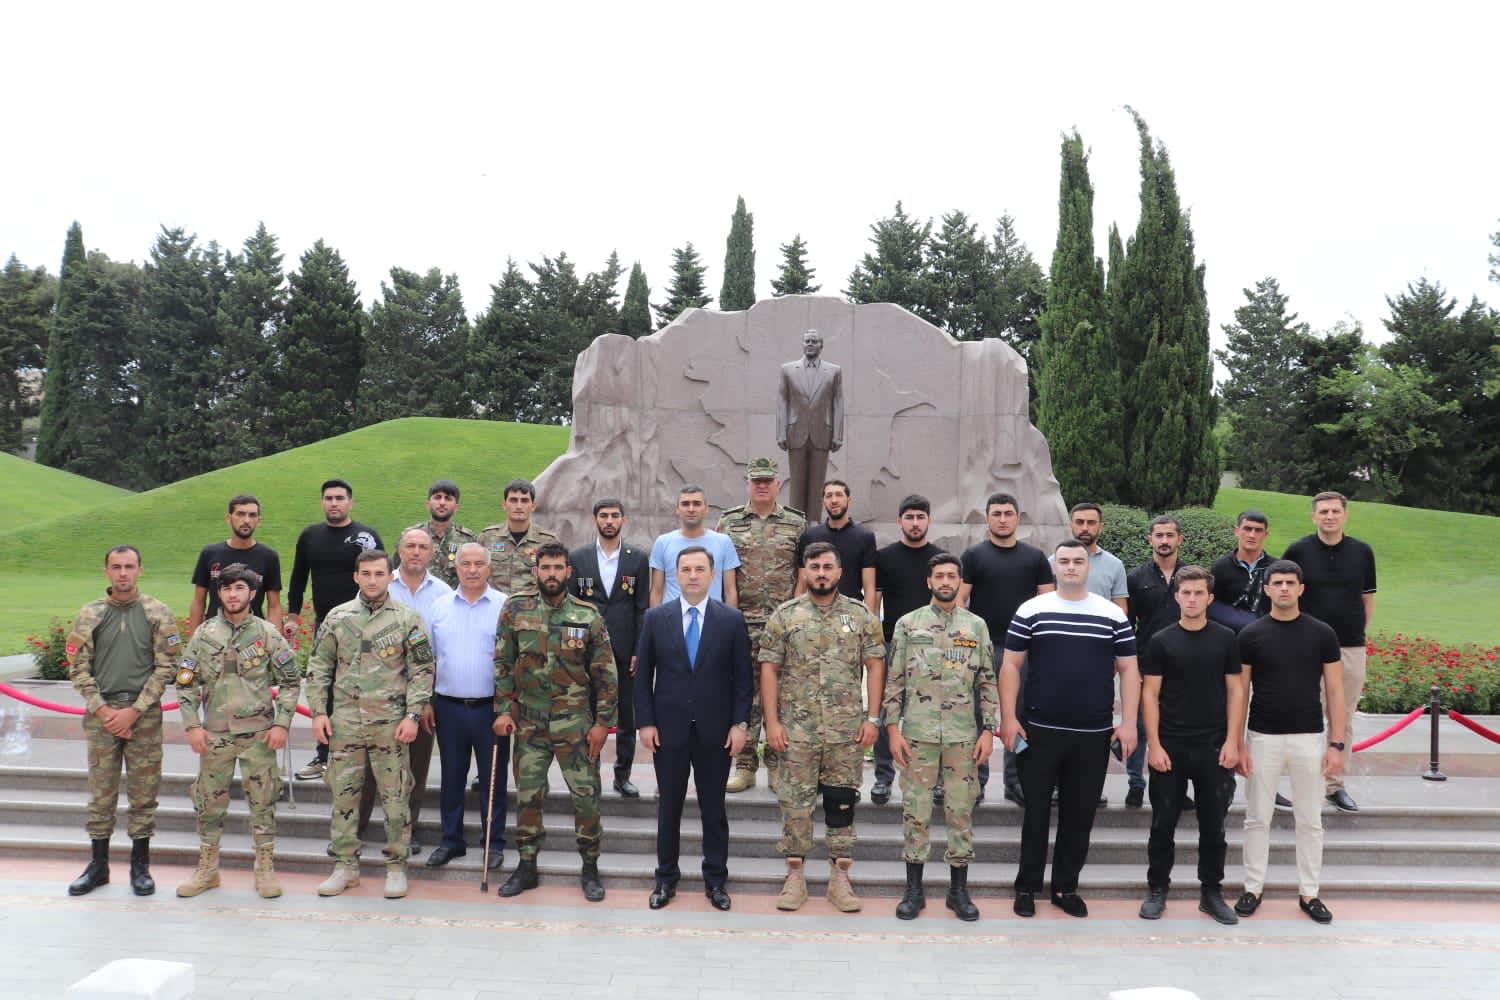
x,y
1106,575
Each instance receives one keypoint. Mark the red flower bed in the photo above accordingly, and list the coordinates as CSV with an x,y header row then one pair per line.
x,y
1403,668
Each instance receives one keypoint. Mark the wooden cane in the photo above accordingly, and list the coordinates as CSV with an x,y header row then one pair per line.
x,y
489,811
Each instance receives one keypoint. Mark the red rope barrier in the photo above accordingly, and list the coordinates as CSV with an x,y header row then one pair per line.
x,y
1390,731
1470,724
53,706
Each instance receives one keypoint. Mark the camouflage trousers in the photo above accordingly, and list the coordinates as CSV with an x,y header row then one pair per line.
x,y
801,768
747,760
259,775
535,748
141,755
347,755
951,765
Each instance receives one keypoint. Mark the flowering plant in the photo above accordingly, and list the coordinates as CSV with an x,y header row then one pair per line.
x,y
1402,668
50,650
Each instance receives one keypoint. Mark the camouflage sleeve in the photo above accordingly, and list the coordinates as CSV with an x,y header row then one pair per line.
x,y
320,666
873,638
284,672
80,649
167,644
190,695
603,678
989,689
894,703
505,661
419,664
772,641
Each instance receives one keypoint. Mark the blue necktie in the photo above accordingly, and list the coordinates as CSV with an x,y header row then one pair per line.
x,y
692,638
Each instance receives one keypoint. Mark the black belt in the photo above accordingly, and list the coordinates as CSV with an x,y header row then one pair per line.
x,y
468,702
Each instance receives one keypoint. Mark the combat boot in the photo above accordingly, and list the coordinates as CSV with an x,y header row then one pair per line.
x,y
523,878
794,891
840,892
395,879
206,876
141,882
743,780
265,871
915,900
593,889
343,877
97,872
958,893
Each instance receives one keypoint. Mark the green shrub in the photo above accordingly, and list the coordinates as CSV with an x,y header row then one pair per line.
x,y
1206,534
50,650
1124,533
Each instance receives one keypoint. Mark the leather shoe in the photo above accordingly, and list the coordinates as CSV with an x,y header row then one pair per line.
x,y
442,855
1013,793
1282,802
1155,905
880,792
1213,904
717,896
661,895
1343,802
1135,797
497,857
1314,908
626,789
1247,904
1025,904
1070,903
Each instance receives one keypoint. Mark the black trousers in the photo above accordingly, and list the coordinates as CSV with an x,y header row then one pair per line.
x,y
625,727
1074,764
709,762
1213,787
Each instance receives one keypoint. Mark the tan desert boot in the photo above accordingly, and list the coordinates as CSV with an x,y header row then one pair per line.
x,y
840,892
206,876
342,878
743,780
265,872
794,892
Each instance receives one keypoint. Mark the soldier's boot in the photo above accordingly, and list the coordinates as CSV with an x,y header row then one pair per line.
x,y
743,780
794,890
593,889
840,892
915,900
205,876
395,879
266,883
97,872
141,882
343,877
958,894
523,878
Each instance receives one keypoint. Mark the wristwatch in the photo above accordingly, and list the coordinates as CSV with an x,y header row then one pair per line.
x,y
873,720
413,716
1336,744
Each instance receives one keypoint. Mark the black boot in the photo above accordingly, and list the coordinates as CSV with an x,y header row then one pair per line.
x,y
593,889
915,901
958,894
141,882
96,874
523,878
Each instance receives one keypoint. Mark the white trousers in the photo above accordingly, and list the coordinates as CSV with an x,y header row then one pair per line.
x,y
1300,755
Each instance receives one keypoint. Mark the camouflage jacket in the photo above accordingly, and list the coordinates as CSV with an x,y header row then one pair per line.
x,y
510,561
940,661
821,653
554,666
225,678
767,548
165,645
377,659
444,563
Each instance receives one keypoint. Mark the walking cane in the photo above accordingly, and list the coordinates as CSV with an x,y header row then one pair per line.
x,y
489,812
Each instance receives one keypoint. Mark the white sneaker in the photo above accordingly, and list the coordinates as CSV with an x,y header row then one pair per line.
x,y
395,881
341,879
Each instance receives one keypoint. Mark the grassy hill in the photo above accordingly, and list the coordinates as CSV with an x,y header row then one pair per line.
x,y
52,568
31,492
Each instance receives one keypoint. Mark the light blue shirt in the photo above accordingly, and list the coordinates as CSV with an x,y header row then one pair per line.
x,y
687,619
664,558
463,641
427,594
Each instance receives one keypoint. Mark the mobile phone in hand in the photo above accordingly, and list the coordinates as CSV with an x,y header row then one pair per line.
x,y
1118,750
1021,744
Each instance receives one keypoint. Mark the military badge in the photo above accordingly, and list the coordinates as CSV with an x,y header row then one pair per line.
x,y
627,584
186,673
497,546
586,586
847,622
173,639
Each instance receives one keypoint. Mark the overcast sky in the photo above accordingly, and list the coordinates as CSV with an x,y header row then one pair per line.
x,y
1345,149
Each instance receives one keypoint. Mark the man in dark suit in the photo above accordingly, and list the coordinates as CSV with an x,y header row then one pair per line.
x,y
692,698
809,420
616,579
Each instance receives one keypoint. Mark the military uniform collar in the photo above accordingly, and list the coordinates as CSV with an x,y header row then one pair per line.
x,y
373,607
109,595
936,609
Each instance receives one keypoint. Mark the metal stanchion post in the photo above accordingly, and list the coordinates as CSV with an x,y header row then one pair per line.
x,y
1435,709
291,779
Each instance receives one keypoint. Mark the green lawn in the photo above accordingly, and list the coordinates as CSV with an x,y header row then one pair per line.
x,y
30,493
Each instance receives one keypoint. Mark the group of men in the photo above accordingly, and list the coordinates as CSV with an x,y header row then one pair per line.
x,y
505,642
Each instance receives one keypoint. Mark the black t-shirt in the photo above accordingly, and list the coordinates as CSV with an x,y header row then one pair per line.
x,y
327,554
856,545
1240,588
901,578
1286,672
1002,580
1152,606
1192,666
1336,577
261,558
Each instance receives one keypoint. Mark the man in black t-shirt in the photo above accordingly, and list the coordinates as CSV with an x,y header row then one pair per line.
x,y
1000,574
1240,576
239,547
1192,700
900,587
855,542
1291,662
1152,608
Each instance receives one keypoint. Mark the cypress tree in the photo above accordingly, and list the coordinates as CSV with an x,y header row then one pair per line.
x,y
60,385
26,299
687,288
635,314
417,335
738,290
796,277
322,350
1078,383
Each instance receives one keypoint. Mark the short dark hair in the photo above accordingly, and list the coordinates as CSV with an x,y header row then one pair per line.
x,y
1331,495
551,550
447,486
242,500
914,502
1259,517
694,550
691,488
1283,567
339,484
821,549
601,504
525,486
839,483
943,559
1069,543
1192,571
124,548
373,555
1002,499
238,573
1160,519
1087,505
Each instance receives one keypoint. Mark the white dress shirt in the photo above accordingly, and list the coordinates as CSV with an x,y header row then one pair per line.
x,y
609,566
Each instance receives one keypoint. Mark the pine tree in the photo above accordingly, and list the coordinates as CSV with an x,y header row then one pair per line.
x,y
1013,308
796,277
321,351
26,299
502,353
1160,323
601,294
1078,383
961,278
898,269
635,314
738,290
415,349
251,313
687,288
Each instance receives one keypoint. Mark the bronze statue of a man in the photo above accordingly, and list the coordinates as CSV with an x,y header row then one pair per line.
x,y
809,422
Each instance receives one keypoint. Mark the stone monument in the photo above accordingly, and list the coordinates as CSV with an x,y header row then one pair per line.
x,y
692,403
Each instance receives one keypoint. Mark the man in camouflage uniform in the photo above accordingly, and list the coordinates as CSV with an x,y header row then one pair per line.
x,y
556,690
941,657
122,654
442,504
811,654
513,545
230,712
765,534
375,655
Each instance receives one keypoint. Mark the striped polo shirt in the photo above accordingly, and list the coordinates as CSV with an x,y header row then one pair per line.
x,y
1071,648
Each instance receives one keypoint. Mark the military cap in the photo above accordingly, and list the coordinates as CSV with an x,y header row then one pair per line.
x,y
761,468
